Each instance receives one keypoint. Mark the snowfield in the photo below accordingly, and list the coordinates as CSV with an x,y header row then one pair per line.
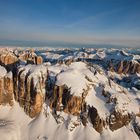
x,y
73,82
16,125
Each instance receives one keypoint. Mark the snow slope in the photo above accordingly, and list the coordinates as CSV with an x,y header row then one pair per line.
x,y
106,91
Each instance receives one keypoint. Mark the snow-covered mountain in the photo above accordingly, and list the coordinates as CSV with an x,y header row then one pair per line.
x,y
69,94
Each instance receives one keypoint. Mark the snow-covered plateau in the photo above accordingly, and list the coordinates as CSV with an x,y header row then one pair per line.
x,y
69,94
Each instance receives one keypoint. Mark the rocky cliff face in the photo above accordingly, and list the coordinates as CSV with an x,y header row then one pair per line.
x,y
8,59
11,58
29,88
117,120
6,87
62,101
30,57
126,67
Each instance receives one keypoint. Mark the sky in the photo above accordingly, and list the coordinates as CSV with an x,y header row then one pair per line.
x,y
115,22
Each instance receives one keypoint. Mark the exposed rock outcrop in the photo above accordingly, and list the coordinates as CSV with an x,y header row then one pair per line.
x,y
96,121
6,87
118,120
30,82
30,57
8,59
61,99
125,66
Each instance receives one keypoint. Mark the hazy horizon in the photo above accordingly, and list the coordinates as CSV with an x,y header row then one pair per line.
x,y
59,44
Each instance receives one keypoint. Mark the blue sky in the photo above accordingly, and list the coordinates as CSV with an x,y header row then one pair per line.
x,y
74,21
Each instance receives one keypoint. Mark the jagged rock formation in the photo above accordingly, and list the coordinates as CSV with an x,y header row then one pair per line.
x,y
125,67
30,57
117,120
29,88
11,58
96,121
6,87
62,100
7,57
